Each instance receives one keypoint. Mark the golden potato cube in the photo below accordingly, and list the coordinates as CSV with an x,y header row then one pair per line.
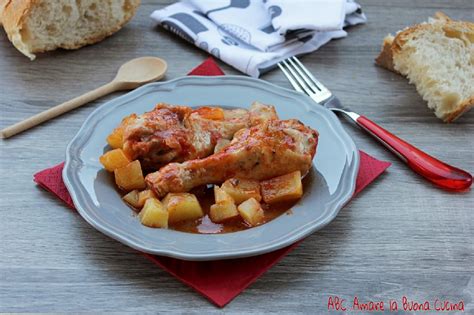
x,y
130,176
221,196
115,139
242,189
182,206
144,195
114,159
132,199
154,214
223,211
282,188
220,145
251,211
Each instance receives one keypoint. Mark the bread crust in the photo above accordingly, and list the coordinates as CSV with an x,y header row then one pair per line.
x,y
441,16
461,109
385,58
3,3
393,45
14,17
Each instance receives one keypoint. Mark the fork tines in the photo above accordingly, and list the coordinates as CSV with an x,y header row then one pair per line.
x,y
302,80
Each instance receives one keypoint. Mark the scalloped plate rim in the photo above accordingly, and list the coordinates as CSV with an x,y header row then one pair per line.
x,y
79,195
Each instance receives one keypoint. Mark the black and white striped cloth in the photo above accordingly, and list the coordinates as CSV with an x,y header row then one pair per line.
x,y
254,35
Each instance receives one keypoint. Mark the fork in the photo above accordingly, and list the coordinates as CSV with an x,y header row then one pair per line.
x,y
435,171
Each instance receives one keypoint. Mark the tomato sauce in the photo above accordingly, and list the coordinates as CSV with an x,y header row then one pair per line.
x,y
204,225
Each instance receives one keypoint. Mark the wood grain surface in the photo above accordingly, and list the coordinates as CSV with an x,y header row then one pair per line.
x,y
399,237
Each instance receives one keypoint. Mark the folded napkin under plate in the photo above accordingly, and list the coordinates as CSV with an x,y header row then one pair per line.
x,y
222,280
254,35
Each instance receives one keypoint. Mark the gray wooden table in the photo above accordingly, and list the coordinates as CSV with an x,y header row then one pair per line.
x,y
400,237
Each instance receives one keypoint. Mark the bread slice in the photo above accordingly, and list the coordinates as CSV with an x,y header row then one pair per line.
x,y
35,26
3,3
438,57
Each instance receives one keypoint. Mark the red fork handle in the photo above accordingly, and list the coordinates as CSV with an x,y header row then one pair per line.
x,y
437,172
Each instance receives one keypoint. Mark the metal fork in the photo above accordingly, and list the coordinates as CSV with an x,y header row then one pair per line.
x,y
435,171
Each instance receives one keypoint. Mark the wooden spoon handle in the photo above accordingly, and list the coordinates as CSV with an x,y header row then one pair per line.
x,y
59,109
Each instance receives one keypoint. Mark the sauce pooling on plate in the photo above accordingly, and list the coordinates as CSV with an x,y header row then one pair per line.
x,y
204,225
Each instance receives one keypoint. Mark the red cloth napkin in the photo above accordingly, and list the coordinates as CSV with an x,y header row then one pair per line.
x,y
222,280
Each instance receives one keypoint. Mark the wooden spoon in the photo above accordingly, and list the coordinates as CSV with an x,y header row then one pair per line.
x,y
131,75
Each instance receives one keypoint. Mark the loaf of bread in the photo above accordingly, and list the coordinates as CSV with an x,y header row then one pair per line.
x,y
438,58
35,26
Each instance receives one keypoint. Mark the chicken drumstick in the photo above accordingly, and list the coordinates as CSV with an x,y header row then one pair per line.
x,y
269,149
180,133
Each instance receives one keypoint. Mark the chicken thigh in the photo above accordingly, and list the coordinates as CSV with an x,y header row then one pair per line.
x,y
179,133
269,149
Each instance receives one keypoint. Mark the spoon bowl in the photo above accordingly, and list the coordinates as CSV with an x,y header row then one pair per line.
x,y
139,71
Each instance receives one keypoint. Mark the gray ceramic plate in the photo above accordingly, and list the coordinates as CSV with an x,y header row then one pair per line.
x,y
331,180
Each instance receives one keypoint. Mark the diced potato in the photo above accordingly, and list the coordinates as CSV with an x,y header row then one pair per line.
x,y
242,189
182,206
224,208
251,211
132,199
144,195
221,196
114,159
221,143
213,113
223,211
282,188
115,139
154,214
130,176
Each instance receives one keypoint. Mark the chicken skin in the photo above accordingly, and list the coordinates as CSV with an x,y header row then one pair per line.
x,y
269,149
179,133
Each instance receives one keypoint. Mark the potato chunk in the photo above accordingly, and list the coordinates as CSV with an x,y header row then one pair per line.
x,y
251,211
154,214
182,206
224,208
221,212
130,176
144,195
282,188
115,139
242,189
114,159
132,199
221,196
